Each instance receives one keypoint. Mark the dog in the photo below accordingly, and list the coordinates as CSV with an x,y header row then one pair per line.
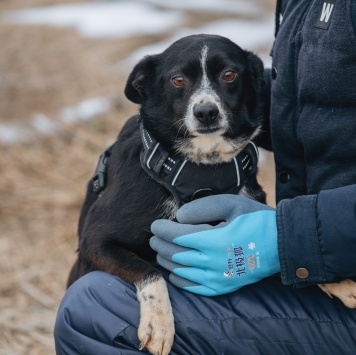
x,y
199,112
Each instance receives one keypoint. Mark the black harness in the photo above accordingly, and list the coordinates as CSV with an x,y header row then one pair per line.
x,y
188,181
185,180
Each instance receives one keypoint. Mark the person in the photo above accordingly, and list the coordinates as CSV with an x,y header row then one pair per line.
x,y
309,238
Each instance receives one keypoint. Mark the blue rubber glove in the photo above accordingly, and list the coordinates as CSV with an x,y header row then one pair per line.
x,y
214,260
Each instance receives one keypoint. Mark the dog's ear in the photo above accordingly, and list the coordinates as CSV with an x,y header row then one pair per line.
x,y
256,70
139,79
254,83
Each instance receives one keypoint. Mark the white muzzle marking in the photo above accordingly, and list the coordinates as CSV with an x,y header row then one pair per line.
x,y
203,95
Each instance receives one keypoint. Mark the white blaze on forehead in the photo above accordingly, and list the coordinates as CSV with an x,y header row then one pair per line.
x,y
204,56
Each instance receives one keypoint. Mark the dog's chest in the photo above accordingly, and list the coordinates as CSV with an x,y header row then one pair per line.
x,y
195,181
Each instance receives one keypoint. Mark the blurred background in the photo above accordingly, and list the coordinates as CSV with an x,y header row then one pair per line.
x,y
63,67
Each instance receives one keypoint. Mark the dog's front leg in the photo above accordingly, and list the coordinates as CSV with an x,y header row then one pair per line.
x,y
156,329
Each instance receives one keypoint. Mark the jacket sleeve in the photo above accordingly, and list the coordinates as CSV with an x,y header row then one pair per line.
x,y
317,237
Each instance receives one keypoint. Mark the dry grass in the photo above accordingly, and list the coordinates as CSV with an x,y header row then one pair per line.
x,y
43,184
43,180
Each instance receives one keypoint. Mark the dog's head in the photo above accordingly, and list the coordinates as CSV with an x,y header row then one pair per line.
x,y
199,97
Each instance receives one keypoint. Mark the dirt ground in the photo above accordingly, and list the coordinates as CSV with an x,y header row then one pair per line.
x,y
43,179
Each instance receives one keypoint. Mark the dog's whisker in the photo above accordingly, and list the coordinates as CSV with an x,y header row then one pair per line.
x,y
186,131
183,125
175,123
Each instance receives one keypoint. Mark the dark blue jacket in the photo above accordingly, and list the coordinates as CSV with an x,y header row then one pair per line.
x,y
313,130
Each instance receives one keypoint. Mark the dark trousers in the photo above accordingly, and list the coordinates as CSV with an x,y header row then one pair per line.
x,y
99,315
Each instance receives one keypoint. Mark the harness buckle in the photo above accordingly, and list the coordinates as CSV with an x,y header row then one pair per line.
x,y
99,178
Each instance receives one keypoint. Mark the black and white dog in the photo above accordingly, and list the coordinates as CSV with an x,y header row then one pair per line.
x,y
199,112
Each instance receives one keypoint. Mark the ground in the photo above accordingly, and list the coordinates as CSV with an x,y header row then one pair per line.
x,y
43,179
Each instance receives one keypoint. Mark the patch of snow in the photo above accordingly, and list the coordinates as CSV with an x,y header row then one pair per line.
x,y
100,19
85,110
40,123
242,7
43,124
11,133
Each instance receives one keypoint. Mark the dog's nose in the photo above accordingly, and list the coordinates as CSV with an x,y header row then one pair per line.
x,y
206,113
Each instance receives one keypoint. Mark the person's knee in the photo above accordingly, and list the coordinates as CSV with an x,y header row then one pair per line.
x,y
94,311
76,304
92,291
92,297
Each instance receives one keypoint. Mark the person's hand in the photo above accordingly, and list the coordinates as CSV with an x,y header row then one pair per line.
x,y
213,260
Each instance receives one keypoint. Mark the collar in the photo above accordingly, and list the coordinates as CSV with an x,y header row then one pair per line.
x,y
188,181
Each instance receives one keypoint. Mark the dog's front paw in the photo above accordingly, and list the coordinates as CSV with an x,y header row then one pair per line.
x,y
156,335
344,290
156,329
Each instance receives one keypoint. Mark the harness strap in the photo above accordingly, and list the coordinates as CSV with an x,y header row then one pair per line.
x,y
187,181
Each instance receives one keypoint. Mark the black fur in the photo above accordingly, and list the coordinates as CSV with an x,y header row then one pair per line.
x,y
114,229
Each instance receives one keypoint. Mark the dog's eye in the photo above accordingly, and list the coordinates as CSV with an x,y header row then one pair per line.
x,y
229,75
178,81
